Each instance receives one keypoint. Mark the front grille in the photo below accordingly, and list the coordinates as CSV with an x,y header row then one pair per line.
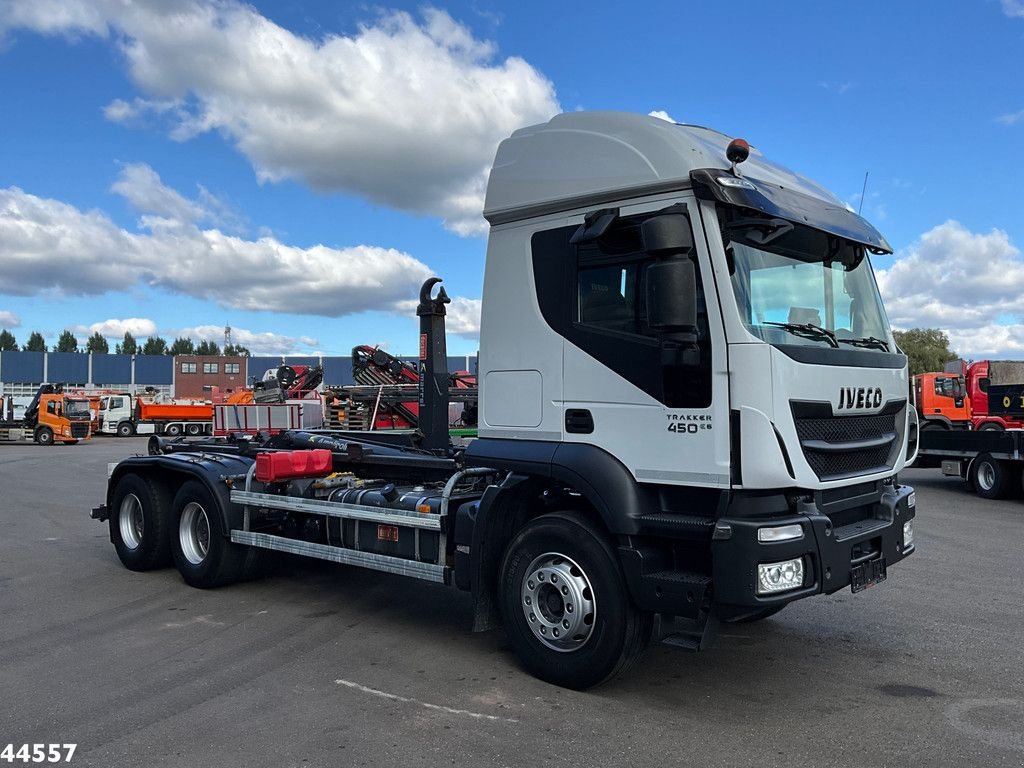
x,y
79,430
846,446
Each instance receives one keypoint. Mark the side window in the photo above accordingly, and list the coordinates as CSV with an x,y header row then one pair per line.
x,y
593,295
51,406
116,402
944,387
983,384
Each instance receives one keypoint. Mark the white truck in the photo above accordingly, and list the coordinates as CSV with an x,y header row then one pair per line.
x,y
125,415
692,411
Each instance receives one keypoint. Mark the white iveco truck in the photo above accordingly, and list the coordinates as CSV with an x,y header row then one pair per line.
x,y
692,411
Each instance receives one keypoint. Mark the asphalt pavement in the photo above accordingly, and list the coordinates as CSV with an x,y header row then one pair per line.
x,y
323,665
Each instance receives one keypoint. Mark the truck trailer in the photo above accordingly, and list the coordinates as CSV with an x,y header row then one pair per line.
x,y
692,411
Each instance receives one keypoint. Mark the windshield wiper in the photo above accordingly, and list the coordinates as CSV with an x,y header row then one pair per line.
x,y
807,331
868,342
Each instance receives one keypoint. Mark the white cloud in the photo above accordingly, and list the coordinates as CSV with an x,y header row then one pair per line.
x,y
257,342
1014,8
404,112
1011,118
968,284
9,319
96,256
661,115
115,328
140,185
464,317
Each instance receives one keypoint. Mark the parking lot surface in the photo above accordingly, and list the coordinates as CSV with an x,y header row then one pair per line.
x,y
323,665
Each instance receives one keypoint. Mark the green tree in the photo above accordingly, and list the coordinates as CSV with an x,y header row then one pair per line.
x,y
927,349
236,350
36,343
207,348
182,346
66,342
7,341
128,345
97,344
155,346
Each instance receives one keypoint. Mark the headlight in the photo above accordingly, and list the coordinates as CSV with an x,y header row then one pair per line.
x,y
780,577
908,534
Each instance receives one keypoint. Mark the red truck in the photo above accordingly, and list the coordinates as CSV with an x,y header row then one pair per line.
x,y
994,388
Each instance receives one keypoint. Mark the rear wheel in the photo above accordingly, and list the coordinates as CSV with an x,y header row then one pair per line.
x,y
203,553
565,605
44,436
173,430
193,429
139,523
990,477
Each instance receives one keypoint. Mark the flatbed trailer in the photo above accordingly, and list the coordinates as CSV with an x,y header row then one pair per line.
x,y
990,461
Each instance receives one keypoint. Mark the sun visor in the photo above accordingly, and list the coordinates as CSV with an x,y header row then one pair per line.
x,y
775,200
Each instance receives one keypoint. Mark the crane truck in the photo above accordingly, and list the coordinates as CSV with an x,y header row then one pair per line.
x,y
53,416
692,411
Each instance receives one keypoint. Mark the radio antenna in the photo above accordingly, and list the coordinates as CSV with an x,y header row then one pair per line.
x,y
863,189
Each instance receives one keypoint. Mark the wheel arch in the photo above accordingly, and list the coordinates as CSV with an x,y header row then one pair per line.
x,y
170,472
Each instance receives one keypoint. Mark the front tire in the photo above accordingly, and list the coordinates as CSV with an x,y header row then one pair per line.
x,y
44,436
991,426
565,604
202,551
125,429
140,523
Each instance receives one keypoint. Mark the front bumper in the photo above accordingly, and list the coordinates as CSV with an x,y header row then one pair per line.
x,y
831,548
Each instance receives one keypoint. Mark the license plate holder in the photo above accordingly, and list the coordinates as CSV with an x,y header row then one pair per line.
x,y
867,574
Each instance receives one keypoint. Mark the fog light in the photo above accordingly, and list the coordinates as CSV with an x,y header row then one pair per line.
x,y
780,533
912,499
908,534
779,577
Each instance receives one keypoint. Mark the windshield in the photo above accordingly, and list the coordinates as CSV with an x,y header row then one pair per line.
x,y
77,409
798,285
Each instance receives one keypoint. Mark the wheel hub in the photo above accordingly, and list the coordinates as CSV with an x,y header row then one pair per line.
x,y
194,533
558,602
130,521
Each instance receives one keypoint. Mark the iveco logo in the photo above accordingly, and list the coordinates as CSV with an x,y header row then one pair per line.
x,y
860,397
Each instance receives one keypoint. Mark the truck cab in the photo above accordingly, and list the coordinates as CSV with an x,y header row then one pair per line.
x,y
942,401
697,333
61,419
984,415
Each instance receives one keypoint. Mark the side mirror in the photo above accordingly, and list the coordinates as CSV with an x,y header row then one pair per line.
x,y
672,294
666,234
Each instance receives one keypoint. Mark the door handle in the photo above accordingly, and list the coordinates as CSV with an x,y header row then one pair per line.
x,y
579,421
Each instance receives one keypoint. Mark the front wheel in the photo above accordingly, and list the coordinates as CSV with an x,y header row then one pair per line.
x,y
44,436
203,553
565,605
125,429
991,427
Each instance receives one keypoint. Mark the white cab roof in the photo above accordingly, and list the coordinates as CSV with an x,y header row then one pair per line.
x,y
582,157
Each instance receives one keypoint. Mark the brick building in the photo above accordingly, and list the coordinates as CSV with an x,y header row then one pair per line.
x,y
195,374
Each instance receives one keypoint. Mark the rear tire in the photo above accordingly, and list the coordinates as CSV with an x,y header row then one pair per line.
x,y
193,429
44,436
173,430
140,523
990,477
203,553
565,605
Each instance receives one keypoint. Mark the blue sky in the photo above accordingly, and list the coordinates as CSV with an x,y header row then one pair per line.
x,y
295,169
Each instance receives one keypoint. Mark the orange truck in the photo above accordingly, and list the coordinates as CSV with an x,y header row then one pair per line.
x,y
52,417
942,401
126,415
